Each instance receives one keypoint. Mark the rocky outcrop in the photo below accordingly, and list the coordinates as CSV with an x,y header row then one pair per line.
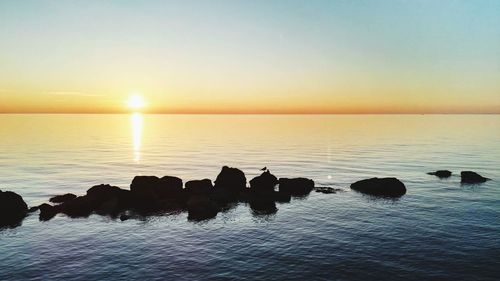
x,y
231,180
202,187
472,177
389,187
200,198
442,174
201,208
13,209
265,182
165,187
62,198
296,186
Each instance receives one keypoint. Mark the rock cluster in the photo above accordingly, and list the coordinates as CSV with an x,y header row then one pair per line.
x,y
200,198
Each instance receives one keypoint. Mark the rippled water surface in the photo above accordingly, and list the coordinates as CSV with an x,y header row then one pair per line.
x,y
439,230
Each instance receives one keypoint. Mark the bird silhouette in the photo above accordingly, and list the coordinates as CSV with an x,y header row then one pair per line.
x,y
264,169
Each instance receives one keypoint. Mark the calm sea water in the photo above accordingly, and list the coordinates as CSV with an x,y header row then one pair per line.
x,y
439,230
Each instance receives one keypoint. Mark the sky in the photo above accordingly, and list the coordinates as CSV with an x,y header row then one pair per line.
x,y
254,56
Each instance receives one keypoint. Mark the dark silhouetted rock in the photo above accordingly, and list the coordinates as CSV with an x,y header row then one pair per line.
x,y
199,187
390,187
165,187
263,202
33,209
13,209
47,211
472,177
231,180
296,186
81,206
62,198
441,174
201,208
327,190
265,182
282,197
124,217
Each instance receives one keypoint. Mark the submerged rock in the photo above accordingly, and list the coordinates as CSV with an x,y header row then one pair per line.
x,y
231,180
472,177
391,187
441,174
265,182
13,209
62,198
296,186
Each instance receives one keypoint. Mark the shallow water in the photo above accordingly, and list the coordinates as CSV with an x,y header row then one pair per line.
x,y
439,230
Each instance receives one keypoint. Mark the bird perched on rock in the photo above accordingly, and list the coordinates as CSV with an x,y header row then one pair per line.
x,y
264,169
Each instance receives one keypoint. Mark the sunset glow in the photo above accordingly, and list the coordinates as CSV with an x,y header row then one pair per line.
x,y
135,102
263,57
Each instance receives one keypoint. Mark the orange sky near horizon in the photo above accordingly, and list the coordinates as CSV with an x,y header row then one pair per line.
x,y
276,57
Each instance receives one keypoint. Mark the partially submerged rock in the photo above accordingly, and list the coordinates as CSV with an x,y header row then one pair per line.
x,y
265,182
164,187
149,195
199,187
472,177
230,180
296,186
201,208
390,187
62,198
327,190
13,209
441,174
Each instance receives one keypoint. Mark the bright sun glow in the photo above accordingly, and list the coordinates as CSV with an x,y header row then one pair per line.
x,y
136,101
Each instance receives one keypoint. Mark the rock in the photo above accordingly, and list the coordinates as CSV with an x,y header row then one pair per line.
x,y
199,187
296,186
201,208
165,187
472,177
263,203
124,217
13,209
47,212
265,182
231,180
441,174
281,197
327,190
390,187
81,206
62,198
33,209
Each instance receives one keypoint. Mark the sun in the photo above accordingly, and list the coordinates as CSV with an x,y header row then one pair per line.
x,y
136,101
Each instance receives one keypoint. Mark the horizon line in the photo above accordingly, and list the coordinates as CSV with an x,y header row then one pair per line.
x,y
254,113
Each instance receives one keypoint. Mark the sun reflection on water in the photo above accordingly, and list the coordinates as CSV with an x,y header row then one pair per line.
x,y
136,121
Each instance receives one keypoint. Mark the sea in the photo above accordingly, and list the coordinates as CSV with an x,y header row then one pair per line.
x,y
439,230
